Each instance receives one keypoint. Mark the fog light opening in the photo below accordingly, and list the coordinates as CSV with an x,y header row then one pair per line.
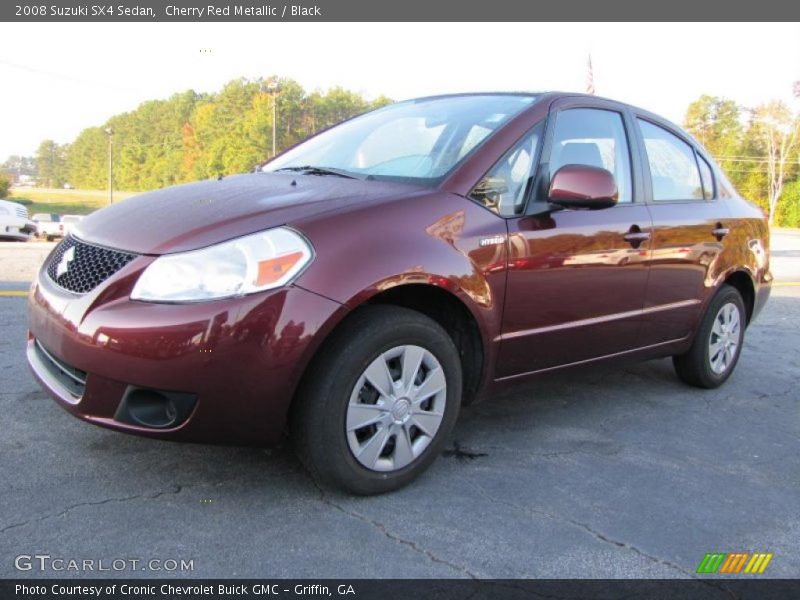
x,y
153,408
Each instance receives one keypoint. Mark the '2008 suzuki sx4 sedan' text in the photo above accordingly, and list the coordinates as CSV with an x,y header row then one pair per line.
x,y
360,287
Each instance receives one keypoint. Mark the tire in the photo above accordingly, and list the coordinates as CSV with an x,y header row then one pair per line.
x,y
337,395
698,367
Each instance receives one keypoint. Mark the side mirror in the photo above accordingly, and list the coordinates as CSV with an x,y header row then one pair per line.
x,y
582,186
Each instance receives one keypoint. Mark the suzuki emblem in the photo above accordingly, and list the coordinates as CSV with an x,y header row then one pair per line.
x,y
63,264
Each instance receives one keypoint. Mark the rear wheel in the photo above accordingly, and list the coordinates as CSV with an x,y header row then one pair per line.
x,y
377,405
717,344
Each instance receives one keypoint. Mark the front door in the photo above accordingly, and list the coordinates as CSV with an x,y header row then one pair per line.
x,y
577,278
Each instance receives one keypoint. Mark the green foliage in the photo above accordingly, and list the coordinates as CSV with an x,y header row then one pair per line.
x,y
87,160
24,165
5,186
715,123
788,213
51,162
193,136
744,149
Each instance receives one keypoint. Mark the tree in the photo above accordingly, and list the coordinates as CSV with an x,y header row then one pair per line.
x,y
22,165
192,136
51,160
788,213
715,123
776,130
5,186
87,160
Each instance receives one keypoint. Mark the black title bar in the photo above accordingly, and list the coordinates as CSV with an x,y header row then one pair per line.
x,y
400,10
368,589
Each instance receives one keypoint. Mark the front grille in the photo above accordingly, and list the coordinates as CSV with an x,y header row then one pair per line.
x,y
72,379
80,267
22,212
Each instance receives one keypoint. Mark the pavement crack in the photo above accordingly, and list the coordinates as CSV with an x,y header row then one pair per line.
x,y
768,395
383,529
602,537
177,489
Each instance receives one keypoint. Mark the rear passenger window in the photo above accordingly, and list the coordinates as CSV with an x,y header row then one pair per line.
x,y
673,168
706,177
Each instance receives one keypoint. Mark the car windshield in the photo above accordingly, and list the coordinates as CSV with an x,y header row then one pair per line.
x,y
416,141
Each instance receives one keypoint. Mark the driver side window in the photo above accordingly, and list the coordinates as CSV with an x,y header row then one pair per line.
x,y
596,138
504,188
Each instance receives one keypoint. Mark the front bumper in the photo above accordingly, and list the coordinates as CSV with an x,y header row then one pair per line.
x,y
17,229
240,358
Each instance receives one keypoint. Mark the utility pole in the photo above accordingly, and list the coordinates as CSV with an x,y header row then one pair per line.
x,y
110,133
52,164
274,87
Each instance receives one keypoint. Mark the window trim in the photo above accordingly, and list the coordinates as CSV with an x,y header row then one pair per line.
x,y
645,160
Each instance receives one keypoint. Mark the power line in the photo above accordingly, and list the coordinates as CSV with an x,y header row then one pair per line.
x,y
757,160
64,77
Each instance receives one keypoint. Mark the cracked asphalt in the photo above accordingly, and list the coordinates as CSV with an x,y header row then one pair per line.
x,y
615,472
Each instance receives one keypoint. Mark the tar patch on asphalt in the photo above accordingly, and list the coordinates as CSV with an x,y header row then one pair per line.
x,y
460,453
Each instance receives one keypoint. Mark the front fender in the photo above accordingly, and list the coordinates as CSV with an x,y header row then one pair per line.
x,y
437,239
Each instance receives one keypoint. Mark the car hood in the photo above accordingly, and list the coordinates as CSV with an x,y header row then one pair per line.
x,y
191,216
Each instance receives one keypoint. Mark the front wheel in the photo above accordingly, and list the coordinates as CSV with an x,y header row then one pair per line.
x,y
717,344
378,403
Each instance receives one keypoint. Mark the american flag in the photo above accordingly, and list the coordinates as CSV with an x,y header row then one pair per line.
x,y
797,89
590,78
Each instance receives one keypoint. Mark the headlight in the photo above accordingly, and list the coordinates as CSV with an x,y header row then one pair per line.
x,y
249,264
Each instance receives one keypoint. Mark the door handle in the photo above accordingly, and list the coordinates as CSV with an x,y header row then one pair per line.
x,y
636,236
720,232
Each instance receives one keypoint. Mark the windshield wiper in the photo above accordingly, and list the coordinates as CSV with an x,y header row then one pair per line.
x,y
313,170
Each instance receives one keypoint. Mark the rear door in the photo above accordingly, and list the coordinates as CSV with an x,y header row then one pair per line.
x,y
690,225
577,278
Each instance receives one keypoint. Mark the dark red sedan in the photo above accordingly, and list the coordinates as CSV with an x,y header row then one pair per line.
x,y
366,283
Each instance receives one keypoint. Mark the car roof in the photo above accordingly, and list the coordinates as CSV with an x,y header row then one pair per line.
x,y
467,94
549,96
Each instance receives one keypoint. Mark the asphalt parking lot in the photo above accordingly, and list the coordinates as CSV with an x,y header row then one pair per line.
x,y
614,472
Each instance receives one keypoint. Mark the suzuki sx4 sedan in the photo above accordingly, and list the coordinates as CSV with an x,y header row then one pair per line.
x,y
359,288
